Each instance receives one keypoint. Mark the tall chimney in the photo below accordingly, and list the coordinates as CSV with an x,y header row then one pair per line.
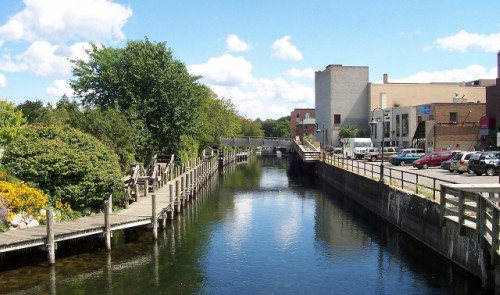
x,y
386,79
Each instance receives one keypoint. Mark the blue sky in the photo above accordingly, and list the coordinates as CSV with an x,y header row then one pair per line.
x,y
260,54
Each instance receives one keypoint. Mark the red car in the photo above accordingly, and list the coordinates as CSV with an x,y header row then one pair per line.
x,y
433,159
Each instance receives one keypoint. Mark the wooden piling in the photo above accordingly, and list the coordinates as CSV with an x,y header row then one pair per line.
x,y
154,218
51,245
107,227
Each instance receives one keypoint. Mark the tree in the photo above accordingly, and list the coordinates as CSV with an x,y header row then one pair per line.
x,y
33,110
349,131
250,128
11,122
147,83
219,118
283,128
65,163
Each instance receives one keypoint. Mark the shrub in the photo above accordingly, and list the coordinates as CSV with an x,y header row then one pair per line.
x,y
69,165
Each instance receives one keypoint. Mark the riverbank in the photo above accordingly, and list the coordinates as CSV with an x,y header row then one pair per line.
x,y
413,214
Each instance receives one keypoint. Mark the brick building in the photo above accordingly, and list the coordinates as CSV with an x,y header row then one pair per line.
x,y
449,126
300,121
490,123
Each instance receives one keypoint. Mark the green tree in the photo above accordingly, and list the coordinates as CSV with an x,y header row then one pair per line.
x,y
33,110
147,83
349,131
11,122
283,128
67,164
250,128
219,118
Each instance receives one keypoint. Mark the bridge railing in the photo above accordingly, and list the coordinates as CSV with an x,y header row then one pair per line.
x,y
256,141
474,207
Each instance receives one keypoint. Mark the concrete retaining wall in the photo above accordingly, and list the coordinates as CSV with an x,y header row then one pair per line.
x,y
413,214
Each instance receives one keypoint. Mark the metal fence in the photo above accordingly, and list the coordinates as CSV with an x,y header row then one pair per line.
x,y
420,184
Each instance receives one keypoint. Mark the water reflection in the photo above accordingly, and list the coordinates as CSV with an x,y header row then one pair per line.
x,y
258,230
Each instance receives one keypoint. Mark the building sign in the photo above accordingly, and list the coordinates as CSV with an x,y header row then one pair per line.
x,y
425,109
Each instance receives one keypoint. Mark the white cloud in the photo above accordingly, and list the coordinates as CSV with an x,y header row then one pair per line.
x,y
224,70
234,43
463,40
283,49
59,88
264,98
44,59
66,20
298,73
470,73
3,81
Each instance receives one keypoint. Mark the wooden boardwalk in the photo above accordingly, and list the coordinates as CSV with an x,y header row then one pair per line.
x,y
166,198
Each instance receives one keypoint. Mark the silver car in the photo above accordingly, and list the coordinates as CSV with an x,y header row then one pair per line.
x,y
460,161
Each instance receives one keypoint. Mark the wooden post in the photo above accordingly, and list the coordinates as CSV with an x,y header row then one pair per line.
x,y
154,219
110,200
182,195
178,203
146,187
188,188
51,246
172,204
126,199
107,227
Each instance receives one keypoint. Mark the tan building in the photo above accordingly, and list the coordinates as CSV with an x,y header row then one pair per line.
x,y
387,95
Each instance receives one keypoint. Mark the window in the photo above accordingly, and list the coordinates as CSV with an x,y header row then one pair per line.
x,y
307,115
336,119
397,125
298,115
404,125
453,117
386,130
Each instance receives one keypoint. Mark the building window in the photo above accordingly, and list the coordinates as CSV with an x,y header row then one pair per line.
x,y
453,117
336,119
307,115
298,115
398,124
386,129
404,125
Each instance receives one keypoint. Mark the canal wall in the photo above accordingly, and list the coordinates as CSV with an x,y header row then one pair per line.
x,y
413,214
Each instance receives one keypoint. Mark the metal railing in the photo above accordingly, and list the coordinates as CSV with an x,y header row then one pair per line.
x,y
420,184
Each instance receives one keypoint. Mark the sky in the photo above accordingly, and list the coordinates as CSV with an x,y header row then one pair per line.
x,y
262,55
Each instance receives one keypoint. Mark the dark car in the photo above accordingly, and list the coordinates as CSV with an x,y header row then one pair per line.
x,y
485,162
446,165
433,159
403,159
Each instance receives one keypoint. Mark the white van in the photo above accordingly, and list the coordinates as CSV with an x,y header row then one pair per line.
x,y
356,148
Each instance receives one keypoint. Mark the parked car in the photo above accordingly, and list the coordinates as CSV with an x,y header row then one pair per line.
x,y
485,162
402,151
434,159
403,159
460,161
445,165
377,154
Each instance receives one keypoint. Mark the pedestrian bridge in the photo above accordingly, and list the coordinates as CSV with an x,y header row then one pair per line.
x,y
306,151
278,142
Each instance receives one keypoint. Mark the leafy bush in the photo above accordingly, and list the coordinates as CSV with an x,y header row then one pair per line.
x,y
69,165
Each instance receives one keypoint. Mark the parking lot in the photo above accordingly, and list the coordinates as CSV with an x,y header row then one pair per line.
x,y
437,172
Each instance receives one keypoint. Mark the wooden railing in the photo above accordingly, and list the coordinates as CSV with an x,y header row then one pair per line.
x,y
474,207
306,151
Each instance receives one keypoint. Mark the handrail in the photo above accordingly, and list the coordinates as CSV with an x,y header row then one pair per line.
x,y
474,207
420,184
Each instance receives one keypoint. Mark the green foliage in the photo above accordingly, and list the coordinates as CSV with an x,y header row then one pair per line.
x,y
277,128
251,128
349,131
33,110
67,164
188,149
219,118
146,83
11,122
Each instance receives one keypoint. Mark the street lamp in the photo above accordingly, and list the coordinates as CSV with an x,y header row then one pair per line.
x,y
374,123
318,131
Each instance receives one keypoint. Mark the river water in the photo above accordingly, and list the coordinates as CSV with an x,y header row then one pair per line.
x,y
257,230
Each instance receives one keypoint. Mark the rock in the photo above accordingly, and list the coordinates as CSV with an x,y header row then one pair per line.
x,y
18,218
33,223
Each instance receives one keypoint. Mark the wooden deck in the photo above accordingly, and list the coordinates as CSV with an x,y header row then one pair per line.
x,y
170,196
